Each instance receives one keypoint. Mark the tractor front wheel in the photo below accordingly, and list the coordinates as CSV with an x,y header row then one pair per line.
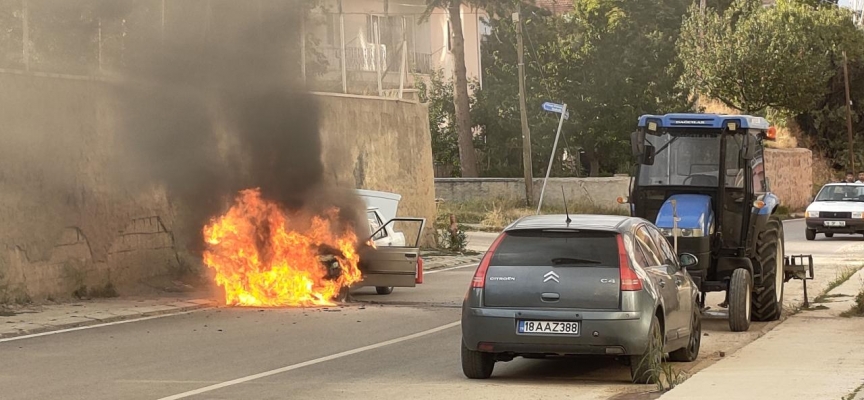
x,y
768,296
739,300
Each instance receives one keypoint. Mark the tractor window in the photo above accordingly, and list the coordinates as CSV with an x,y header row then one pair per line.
x,y
692,158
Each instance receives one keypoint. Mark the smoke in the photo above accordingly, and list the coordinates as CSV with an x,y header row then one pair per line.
x,y
208,116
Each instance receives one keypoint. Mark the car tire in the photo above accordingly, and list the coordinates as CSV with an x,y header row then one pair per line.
x,y
690,352
644,368
768,297
740,294
382,290
810,234
477,364
829,235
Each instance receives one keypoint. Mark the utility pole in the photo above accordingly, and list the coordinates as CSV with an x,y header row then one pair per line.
x,y
526,132
849,113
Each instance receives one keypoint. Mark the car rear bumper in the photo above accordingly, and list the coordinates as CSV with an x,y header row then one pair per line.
x,y
853,225
601,333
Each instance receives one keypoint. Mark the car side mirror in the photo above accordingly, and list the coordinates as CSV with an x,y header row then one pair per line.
x,y
647,157
688,260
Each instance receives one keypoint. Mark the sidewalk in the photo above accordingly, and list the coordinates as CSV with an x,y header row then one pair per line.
x,y
33,319
814,354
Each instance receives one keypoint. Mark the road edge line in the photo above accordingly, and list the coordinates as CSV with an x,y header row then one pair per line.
x,y
100,323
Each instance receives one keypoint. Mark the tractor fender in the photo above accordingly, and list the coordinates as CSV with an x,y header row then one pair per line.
x,y
760,217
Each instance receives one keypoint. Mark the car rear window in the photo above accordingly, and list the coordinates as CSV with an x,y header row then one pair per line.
x,y
557,248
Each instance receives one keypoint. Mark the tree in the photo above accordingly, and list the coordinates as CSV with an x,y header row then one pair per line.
x,y
752,57
467,156
608,60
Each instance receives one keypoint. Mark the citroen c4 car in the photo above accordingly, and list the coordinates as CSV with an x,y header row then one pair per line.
x,y
837,208
598,285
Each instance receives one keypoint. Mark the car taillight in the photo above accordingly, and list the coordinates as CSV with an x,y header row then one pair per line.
x,y
630,282
479,280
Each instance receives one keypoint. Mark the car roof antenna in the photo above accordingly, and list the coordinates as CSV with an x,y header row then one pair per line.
x,y
567,213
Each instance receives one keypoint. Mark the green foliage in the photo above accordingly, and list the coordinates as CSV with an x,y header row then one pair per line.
x,y
438,95
608,60
752,57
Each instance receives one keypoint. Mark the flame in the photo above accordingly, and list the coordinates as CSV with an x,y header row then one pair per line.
x,y
266,257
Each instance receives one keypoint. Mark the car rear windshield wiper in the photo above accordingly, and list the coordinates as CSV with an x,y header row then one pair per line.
x,y
568,260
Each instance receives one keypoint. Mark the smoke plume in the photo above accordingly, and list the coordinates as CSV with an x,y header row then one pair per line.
x,y
210,115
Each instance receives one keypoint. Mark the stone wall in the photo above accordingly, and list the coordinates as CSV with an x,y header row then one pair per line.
x,y
65,224
593,194
381,144
790,172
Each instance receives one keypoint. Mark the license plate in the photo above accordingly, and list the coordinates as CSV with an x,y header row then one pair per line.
x,y
835,223
550,327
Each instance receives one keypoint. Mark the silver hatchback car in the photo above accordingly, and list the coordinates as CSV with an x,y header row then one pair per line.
x,y
596,285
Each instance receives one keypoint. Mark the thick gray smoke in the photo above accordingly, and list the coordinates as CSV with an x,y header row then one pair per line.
x,y
211,116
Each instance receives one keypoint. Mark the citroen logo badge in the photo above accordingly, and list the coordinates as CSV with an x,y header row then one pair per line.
x,y
551,276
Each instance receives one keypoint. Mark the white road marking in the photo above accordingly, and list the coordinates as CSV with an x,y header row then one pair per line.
x,y
81,328
435,271
310,362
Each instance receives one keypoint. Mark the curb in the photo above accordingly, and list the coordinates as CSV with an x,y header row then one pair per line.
x,y
454,263
93,321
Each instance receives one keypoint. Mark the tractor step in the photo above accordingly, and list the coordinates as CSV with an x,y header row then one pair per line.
x,y
799,267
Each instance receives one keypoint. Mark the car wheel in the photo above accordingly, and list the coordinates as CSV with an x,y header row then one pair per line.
x,y
477,364
644,368
383,289
829,235
810,234
740,294
691,352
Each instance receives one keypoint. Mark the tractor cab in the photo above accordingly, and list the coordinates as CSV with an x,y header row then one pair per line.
x,y
701,179
712,166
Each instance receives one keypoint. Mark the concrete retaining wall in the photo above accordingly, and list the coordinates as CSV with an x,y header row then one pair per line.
x,y
789,171
65,225
581,192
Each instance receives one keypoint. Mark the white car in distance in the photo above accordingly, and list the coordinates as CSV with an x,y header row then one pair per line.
x,y
837,208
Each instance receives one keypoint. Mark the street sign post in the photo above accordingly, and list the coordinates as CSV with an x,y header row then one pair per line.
x,y
561,109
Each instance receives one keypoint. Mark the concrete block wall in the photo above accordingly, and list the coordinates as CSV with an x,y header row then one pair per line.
x,y
597,193
65,224
789,170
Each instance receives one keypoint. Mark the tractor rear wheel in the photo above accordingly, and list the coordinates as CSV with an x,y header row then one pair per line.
x,y
739,300
768,296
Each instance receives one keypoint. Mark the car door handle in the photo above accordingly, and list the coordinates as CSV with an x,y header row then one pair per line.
x,y
550,296
410,255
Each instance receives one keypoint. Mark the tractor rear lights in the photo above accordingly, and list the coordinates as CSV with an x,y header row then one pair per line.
x,y
630,281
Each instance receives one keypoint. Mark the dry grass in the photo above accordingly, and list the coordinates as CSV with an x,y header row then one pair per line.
x,y
786,136
497,214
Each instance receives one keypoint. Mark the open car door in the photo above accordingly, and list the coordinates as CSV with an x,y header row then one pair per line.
x,y
396,265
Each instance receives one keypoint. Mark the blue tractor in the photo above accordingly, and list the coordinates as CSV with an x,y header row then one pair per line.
x,y
701,178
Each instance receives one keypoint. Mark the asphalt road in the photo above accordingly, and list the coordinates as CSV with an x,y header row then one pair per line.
x,y
405,345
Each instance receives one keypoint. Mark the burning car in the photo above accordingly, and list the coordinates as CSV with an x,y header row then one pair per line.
x,y
266,256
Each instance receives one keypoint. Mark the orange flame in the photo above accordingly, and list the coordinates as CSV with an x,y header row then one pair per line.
x,y
265,257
